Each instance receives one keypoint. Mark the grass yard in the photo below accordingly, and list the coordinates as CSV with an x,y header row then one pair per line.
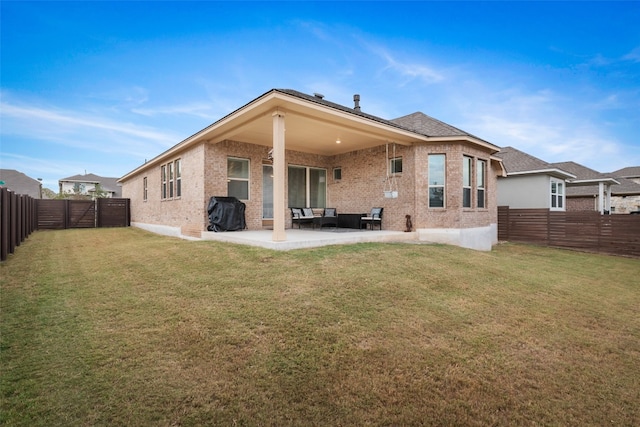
x,y
120,327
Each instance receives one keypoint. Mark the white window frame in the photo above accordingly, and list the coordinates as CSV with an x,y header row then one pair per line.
x,y
393,165
145,188
308,184
246,179
163,182
436,186
481,183
170,168
337,173
467,181
557,195
178,175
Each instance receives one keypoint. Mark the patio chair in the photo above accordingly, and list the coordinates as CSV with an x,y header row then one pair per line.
x,y
375,217
329,217
302,216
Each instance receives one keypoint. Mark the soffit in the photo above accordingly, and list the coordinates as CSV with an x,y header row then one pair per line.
x,y
309,128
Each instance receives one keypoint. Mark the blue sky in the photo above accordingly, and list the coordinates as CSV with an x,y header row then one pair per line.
x,y
102,86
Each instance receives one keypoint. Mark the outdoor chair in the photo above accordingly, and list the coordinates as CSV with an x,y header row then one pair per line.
x,y
329,217
302,216
375,217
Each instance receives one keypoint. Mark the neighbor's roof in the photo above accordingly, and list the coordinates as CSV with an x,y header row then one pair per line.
x,y
628,172
517,162
109,184
20,183
584,176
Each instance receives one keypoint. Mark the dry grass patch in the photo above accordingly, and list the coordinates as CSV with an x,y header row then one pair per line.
x,y
123,327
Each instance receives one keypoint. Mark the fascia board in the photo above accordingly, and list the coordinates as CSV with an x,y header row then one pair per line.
x,y
553,172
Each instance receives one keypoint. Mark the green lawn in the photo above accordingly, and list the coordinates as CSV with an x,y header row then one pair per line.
x,y
122,327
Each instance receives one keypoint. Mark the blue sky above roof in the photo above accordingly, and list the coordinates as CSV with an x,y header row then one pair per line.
x,y
102,86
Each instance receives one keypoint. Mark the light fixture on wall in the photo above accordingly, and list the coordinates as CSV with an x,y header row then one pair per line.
x,y
338,141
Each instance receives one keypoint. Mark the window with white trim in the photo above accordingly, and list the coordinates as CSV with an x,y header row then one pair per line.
x,y
337,174
170,168
178,167
436,177
163,180
557,194
395,165
238,178
467,171
307,187
481,178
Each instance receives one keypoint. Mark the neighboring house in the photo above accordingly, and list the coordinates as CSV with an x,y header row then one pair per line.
x,y
329,156
589,190
531,183
86,185
20,183
625,197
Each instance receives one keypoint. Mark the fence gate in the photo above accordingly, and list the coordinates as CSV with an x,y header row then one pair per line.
x,y
62,214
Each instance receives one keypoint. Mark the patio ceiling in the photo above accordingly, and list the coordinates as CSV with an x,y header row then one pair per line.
x,y
310,127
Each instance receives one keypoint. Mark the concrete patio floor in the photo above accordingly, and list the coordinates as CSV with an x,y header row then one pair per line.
x,y
308,238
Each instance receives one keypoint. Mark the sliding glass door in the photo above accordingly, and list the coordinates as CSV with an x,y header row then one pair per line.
x,y
307,187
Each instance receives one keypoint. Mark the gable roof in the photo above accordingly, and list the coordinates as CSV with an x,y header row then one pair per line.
x,y
518,162
314,125
20,183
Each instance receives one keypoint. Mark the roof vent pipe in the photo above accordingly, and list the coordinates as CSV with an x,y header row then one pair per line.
x,y
318,95
356,101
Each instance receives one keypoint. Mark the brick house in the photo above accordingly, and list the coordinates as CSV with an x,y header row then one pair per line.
x,y
289,149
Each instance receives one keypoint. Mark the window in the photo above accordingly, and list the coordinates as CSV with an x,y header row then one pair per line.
x,y
557,194
170,167
481,174
163,179
396,165
436,180
238,178
144,188
337,174
307,187
467,170
178,178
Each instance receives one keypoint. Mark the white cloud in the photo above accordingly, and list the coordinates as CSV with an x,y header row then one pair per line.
x,y
201,109
65,121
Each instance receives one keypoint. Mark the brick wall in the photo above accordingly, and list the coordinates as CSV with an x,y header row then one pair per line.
x,y
204,174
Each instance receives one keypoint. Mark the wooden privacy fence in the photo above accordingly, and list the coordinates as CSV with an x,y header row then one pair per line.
x,y
21,215
103,212
584,230
17,220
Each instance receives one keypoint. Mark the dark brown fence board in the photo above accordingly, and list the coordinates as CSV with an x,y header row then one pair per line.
x,y
113,212
585,230
82,214
16,221
52,214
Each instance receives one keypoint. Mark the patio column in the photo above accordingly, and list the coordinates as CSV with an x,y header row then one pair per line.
x,y
601,197
279,234
607,205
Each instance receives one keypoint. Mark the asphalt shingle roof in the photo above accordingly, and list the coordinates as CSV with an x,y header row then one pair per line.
x,y
628,172
518,161
20,183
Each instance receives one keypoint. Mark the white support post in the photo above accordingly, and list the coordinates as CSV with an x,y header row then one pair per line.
x,y
607,205
279,235
601,197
